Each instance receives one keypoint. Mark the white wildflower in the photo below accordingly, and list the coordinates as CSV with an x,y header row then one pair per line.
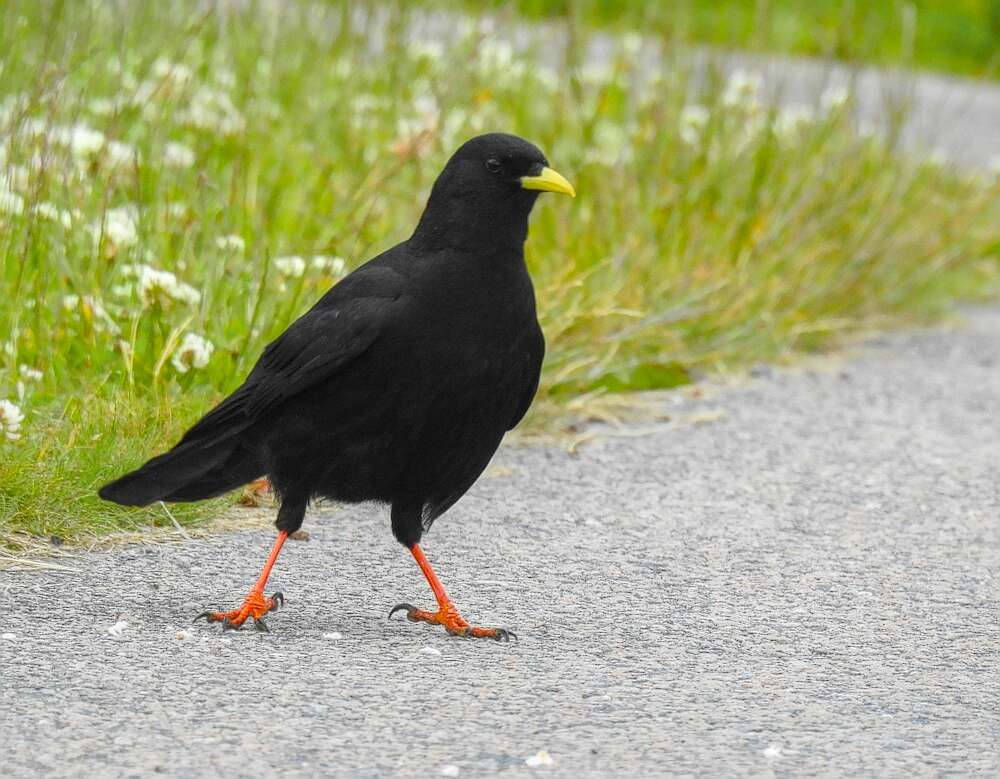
x,y
631,43
14,177
694,119
742,89
213,110
539,759
174,72
194,352
332,266
121,154
177,210
834,98
160,287
495,54
34,128
791,120
11,202
119,226
609,146
177,155
293,267
596,74
29,374
547,78
83,141
53,213
105,106
225,78
10,420
750,131
231,243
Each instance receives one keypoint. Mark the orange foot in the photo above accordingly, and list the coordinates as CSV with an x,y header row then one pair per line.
x,y
448,617
254,607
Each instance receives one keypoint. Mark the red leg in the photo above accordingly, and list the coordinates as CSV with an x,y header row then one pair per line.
x,y
256,604
447,614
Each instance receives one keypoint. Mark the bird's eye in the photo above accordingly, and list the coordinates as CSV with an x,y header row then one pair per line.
x,y
493,165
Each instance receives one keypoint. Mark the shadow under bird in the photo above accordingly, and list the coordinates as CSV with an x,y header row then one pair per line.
x,y
396,387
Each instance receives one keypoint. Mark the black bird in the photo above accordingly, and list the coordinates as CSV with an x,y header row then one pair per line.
x,y
397,386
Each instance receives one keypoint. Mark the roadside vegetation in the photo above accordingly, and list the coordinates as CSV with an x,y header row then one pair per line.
x,y
179,181
956,36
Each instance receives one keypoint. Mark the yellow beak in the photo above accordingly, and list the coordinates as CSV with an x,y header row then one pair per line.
x,y
548,181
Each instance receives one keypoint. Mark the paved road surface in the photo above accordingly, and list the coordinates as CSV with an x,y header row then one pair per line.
x,y
807,585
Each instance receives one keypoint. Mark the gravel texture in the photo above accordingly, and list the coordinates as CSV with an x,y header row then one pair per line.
x,y
796,575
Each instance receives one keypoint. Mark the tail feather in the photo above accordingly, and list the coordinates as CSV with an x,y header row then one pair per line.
x,y
240,468
210,459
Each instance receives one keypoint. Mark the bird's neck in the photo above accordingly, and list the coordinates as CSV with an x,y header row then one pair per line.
x,y
472,227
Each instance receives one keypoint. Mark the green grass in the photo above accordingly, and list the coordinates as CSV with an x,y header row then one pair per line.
x,y
959,36
702,238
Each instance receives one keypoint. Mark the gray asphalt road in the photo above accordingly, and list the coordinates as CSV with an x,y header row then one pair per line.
x,y
806,585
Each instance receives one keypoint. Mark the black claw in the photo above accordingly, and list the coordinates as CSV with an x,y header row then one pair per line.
x,y
206,615
279,600
401,607
261,626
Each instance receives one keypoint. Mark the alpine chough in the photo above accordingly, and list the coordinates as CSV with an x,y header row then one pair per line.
x,y
396,387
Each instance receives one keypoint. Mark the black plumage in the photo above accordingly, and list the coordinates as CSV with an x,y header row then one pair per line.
x,y
399,384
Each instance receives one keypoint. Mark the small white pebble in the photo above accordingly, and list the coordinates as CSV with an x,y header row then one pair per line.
x,y
332,636
539,759
450,770
429,650
8,636
772,752
181,635
118,628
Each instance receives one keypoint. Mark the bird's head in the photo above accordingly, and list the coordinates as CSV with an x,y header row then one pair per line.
x,y
488,188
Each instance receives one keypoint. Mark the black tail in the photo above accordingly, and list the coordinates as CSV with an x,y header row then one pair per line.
x,y
211,459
